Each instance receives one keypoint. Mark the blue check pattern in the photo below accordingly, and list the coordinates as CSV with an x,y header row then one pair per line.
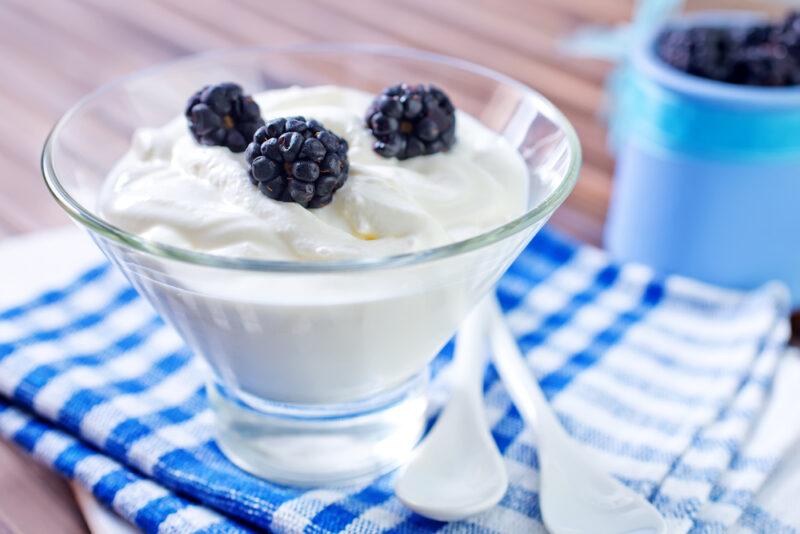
x,y
663,379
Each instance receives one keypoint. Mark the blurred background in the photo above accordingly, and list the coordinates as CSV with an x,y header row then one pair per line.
x,y
53,52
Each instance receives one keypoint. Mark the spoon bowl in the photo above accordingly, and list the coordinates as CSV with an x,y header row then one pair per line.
x,y
576,494
457,470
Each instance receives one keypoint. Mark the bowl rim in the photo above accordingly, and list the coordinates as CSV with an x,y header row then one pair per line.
x,y
538,213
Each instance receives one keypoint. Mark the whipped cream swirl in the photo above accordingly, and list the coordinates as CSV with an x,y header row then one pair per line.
x,y
171,190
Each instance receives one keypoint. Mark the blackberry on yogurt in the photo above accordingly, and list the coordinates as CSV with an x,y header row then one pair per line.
x,y
222,115
298,160
411,120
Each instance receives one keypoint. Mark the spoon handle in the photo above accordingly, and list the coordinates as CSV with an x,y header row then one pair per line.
x,y
577,495
471,352
518,378
457,470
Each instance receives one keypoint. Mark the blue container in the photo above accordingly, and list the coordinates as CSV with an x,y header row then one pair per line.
x,y
708,174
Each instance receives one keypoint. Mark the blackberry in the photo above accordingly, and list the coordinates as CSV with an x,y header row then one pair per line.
x,y
223,115
700,51
411,120
757,35
760,55
297,160
789,34
675,48
764,66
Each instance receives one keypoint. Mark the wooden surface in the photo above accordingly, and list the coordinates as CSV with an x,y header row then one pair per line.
x,y
52,52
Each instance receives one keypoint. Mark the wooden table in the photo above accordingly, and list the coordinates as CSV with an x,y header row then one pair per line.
x,y
55,51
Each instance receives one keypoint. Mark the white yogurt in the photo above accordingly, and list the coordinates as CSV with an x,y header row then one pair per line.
x,y
173,190
316,338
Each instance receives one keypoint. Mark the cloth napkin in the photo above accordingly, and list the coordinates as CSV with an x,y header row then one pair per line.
x,y
664,381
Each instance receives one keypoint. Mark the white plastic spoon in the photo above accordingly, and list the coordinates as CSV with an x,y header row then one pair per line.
x,y
576,495
457,470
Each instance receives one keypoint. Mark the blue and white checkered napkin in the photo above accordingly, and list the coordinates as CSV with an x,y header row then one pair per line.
x,y
663,380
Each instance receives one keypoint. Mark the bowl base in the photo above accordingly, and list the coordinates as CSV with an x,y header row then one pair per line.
x,y
312,445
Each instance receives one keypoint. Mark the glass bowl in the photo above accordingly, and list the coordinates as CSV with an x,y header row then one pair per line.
x,y
317,370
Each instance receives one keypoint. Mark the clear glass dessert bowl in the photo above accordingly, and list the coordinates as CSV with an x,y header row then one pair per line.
x,y
317,370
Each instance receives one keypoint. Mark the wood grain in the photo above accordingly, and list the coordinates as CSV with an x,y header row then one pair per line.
x,y
52,52
55,51
33,499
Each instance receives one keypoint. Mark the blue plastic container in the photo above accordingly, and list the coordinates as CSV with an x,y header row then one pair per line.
x,y
708,174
